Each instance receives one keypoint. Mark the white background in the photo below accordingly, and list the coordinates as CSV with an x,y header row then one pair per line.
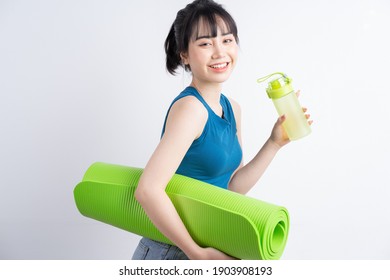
x,y
84,81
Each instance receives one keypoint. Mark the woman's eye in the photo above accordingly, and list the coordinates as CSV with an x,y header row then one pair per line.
x,y
228,40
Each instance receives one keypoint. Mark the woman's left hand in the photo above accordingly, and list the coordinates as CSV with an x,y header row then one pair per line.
x,y
278,134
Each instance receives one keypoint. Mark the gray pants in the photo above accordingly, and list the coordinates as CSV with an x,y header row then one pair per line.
x,y
149,249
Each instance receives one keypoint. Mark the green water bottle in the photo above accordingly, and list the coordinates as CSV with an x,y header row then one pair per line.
x,y
286,103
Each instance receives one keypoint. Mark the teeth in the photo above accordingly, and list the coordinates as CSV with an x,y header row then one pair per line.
x,y
218,66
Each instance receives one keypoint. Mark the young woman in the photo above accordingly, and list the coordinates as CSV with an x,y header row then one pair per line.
x,y
202,131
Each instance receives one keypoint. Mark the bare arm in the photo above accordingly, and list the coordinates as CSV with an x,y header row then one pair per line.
x,y
247,175
185,123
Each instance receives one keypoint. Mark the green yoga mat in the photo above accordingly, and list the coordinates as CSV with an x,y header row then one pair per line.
x,y
238,225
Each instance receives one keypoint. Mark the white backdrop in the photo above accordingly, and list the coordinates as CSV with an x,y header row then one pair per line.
x,y
84,81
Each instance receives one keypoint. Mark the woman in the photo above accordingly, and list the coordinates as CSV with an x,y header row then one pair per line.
x,y
202,131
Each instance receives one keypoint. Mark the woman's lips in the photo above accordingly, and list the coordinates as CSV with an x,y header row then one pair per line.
x,y
219,67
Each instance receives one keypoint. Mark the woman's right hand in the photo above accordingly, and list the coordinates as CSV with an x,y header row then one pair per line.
x,y
210,253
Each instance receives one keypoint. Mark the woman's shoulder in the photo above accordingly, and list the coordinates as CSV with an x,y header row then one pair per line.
x,y
189,104
188,108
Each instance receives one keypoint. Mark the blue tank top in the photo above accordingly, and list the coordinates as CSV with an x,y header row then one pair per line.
x,y
216,154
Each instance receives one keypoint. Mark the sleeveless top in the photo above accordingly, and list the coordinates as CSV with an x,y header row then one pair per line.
x,y
216,154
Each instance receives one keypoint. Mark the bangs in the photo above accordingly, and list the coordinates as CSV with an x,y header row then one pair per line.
x,y
207,22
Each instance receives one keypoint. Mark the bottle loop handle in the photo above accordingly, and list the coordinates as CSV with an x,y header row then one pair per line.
x,y
260,80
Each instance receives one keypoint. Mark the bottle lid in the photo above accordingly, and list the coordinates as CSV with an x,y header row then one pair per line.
x,y
278,87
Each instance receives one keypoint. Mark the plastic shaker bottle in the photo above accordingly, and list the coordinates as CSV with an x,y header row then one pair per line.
x,y
286,103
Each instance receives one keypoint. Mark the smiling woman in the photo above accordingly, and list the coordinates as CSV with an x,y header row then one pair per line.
x,y
201,136
197,21
211,58
82,83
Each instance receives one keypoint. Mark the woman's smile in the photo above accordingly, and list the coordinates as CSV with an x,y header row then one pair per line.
x,y
219,67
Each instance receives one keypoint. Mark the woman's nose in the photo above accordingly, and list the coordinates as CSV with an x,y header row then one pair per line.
x,y
219,51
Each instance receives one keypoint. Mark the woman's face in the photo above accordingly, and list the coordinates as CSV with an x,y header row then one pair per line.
x,y
211,59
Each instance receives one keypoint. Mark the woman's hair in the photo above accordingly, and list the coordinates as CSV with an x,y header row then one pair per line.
x,y
187,24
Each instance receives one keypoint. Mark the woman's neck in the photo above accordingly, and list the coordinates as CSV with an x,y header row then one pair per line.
x,y
210,92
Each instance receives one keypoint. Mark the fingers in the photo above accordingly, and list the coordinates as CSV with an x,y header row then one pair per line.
x,y
282,118
298,93
307,115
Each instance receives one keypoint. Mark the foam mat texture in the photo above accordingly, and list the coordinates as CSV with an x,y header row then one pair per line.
x,y
239,225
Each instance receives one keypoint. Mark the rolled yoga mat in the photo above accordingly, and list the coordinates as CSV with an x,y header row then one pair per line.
x,y
238,225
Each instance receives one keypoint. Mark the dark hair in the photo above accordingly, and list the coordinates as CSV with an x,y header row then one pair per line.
x,y
187,23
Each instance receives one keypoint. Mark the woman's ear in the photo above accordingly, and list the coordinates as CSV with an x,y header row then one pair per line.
x,y
184,58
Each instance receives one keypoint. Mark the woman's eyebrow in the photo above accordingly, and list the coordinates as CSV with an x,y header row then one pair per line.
x,y
204,37
209,36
